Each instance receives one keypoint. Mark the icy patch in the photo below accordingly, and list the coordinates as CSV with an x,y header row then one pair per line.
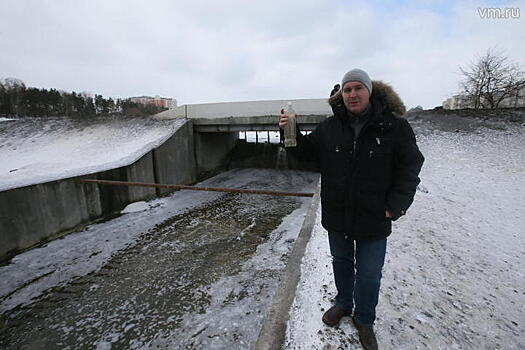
x,y
135,207
239,303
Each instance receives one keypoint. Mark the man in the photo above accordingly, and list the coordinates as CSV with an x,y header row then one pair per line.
x,y
369,164
335,89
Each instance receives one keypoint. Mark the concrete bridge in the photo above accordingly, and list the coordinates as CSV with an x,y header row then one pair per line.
x,y
248,115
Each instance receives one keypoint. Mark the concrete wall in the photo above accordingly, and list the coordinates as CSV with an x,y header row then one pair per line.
x,y
115,198
313,106
212,151
34,214
174,160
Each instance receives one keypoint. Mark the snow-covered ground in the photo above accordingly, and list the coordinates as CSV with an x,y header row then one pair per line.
x,y
453,277
35,150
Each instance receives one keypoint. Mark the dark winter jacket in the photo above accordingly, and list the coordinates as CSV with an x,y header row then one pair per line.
x,y
363,177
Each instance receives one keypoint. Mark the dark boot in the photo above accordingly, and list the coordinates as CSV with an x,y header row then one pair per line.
x,y
366,336
334,314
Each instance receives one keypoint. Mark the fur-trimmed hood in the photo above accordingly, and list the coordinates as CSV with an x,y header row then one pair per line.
x,y
383,96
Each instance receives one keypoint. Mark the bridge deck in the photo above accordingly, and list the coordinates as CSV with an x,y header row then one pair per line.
x,y
249,115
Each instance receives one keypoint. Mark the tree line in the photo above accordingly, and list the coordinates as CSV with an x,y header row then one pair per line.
x,y
17,100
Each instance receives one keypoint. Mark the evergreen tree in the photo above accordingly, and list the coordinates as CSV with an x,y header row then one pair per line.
x,y
4,100
16,99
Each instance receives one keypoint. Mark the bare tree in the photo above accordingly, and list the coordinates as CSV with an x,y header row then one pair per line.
x,y
491,79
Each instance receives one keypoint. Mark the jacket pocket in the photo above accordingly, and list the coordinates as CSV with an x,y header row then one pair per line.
x,y
372,206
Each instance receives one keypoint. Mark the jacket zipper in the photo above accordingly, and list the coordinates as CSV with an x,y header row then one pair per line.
x,y
353,175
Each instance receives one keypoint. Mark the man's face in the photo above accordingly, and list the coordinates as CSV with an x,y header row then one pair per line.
x,y
355,96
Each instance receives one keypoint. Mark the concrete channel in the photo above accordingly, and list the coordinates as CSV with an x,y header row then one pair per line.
x,y
141,291
205,277
34,214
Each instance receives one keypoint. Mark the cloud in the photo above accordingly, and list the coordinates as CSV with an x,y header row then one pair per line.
x,y
235,50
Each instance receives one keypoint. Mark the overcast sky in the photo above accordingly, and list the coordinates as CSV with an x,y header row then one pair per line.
x,y
214,51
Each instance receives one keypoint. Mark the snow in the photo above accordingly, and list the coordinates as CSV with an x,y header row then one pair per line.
x,y
453,276
37,150
3,119
135,207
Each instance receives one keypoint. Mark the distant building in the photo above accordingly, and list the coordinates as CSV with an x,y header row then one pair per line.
x,y
457,102
461,101
163,102
518,100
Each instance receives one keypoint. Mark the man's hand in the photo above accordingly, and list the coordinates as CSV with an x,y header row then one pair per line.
x,y
283,121
388,215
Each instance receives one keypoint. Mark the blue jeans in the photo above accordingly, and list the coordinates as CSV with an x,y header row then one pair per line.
x,y
357,275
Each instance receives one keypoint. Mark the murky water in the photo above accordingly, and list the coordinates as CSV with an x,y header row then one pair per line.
x,y
157,286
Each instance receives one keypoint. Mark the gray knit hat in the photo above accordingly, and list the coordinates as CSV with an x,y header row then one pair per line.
x,y
358,75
